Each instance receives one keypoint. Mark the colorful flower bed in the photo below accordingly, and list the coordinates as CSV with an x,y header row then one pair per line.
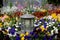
x,y
46,27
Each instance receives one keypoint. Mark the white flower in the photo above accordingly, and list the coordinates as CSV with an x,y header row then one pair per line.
x,y
0,28
35,8
36,25
56,30
49,17
8,9
14,8
17,26
10,35
14,34
19,23
52,32
54,27
53,22
49,25
40,22
9,28
16,29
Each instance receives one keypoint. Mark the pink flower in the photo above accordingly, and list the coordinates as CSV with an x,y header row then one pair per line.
x,y
19,6
3,18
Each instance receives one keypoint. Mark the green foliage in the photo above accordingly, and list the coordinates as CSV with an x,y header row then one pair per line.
x,y
55,2
10,4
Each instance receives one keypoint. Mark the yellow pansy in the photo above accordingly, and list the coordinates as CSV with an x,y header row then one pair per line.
x,y
6,24
48,33
16,18
27,33
37,28
5,32
58,16
54,16
42,28
22,38
6,16
21,35
0,17
1,25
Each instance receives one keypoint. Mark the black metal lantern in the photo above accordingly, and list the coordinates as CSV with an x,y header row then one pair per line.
x,y
27,20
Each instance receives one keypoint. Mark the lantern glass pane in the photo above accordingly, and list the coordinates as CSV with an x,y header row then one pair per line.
x,y
27,24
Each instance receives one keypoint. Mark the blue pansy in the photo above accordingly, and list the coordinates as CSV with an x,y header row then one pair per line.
x,y
12,31
17,37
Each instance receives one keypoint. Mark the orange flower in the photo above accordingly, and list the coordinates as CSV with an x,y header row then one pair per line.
x,y
39,14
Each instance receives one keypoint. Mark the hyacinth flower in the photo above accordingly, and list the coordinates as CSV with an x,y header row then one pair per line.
x,y
17,37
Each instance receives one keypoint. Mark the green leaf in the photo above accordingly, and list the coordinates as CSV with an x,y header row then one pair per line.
x,y
10,4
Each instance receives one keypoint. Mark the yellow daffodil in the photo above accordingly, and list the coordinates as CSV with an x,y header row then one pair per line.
x,y
1,25
58,16
21,35
54,16
22,38
27,33
42,28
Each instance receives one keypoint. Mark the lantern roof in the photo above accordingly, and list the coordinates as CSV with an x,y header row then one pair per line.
x,y
27,16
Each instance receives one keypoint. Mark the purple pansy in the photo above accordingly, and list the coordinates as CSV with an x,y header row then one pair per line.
x,y
12,30
28,37
45,24
17,37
